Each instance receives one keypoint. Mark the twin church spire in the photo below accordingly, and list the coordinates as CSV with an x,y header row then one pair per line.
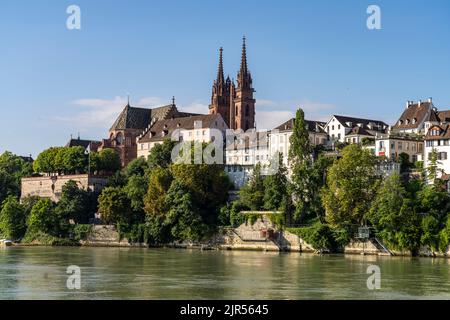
x,y
235,104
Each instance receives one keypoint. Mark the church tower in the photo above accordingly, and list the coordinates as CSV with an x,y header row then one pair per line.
x,y
244,103
221,98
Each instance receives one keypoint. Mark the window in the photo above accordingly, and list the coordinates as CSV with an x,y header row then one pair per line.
x,y
339,126
429,143
332,127
442,156
400,146
445,142
339,136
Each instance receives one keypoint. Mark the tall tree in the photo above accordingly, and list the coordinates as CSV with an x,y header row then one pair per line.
x,y
252,193
74,203
351,186
114,206
275,187
12,219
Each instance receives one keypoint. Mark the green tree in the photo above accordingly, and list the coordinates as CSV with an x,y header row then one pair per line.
x,y
161,154
42,218
432,169
351,186
74,160
276,187
183,215
46,161
405,164
12,219
136,189
109,161
114,206
137,167
252,193
74,204
8,186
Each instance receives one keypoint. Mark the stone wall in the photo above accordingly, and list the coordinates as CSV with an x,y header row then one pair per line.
x,y
105,236
51,186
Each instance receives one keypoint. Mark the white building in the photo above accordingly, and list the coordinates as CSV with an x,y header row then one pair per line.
x,y
280,137
199,128
339,128
392,145
250,148
438,138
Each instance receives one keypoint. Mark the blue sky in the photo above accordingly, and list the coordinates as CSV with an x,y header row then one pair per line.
x,y
55,82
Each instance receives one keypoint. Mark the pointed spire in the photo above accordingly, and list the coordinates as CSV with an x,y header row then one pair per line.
x,y
220,77
244,69
173,100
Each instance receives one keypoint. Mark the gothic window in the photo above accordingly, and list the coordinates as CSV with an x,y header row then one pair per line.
x,y
119,138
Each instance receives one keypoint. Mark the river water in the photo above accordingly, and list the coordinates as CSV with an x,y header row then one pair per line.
x,y
137,273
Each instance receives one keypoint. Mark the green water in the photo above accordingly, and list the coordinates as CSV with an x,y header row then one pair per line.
x,y
131,273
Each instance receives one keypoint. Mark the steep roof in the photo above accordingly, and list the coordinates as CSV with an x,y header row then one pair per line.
x,y
163,129
414,115
443,116
140,118
313,126
360,131
443,132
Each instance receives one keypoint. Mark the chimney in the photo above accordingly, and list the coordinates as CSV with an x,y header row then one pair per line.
x,y
419,103
430,100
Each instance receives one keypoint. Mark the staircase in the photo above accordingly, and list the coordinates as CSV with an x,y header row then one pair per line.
x,y
380,246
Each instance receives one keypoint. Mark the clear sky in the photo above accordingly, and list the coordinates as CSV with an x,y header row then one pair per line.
x,y
320,55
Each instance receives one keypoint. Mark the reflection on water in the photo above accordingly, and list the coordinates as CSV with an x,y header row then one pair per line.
x,y
131,273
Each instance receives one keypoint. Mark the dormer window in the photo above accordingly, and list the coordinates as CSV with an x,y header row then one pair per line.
x,y
414,121
407,121
400,122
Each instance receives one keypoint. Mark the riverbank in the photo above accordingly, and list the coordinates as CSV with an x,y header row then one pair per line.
x,y
244,238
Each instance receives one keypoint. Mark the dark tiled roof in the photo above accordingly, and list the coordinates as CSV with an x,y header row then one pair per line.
x,y
80,143
345,121
313,126
413,113
443,116
444,132
140,118
168,126
360,131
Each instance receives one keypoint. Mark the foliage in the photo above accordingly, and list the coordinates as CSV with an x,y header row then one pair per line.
x,y
81,231
405,164
114,206
300,148
252,194
12,219
161,154
183,216
135,189
351,186
394,216
276,187
12,169
67,160
320,236
74,203
432,169
137,167
105,161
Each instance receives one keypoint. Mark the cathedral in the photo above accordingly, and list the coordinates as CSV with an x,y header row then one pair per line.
x,y
235,104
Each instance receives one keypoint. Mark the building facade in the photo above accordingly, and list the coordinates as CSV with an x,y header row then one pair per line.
x,y
51,186
199,128
391,145
339,128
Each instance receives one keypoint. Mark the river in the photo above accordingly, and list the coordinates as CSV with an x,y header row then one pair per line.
x,y
137,273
